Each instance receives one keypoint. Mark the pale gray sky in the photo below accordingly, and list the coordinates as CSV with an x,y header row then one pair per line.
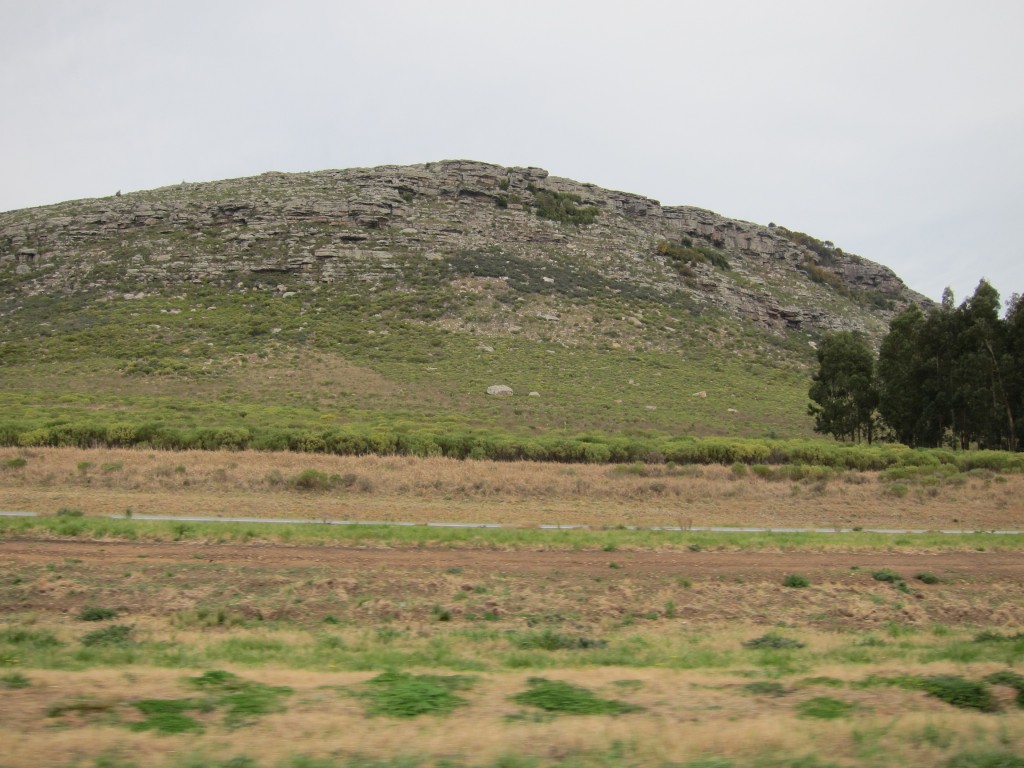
x,y
894,128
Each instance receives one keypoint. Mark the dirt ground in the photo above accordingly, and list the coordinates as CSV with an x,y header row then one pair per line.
x,y
980,566
304,584
325,619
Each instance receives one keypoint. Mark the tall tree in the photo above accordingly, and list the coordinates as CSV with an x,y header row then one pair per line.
x,y
937,386
1013,362
981,406
907,385
843,391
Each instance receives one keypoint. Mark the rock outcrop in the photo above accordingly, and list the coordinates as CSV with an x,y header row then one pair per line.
x,y
484,228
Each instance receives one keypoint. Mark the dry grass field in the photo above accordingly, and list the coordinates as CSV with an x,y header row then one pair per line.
x,y
118,652
376,488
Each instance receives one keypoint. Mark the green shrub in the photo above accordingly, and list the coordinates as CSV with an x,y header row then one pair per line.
x,y
684,252
441,614
899,490
559,696
14,680
96,613
35,438
37,639
549,640
994,637
773,640
15,463
311,480
121,435
796,581
563,207
69,512
886,575
927,578
116,634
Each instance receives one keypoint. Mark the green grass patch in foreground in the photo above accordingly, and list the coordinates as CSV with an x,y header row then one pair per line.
x,y
511,538
168,716
400,694
955,690
242,700
824,708
560,696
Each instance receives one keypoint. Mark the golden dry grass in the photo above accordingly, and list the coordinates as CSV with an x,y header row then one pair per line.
x,y
687,715
445,490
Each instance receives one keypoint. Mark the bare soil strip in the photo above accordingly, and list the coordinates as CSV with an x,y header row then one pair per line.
x,y
982,566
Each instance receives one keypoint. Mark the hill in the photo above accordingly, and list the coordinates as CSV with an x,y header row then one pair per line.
x,y
395,296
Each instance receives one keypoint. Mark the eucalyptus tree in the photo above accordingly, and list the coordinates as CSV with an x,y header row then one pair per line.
x,y
843,394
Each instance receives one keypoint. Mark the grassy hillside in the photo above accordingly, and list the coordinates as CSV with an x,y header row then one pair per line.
x,y
208,358
392,298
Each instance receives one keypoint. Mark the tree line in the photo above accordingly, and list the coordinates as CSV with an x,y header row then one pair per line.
x,y
953,376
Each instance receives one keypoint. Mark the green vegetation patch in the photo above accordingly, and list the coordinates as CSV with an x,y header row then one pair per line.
x,y
116,634
960,692
14,680
550,640
685,252
824,708
560,696
953,689
29,639
774,641
168,715
796,581
986,759
401,694
96,613
242,700
563,207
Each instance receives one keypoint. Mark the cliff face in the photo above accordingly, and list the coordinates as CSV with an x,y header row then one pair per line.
x,y
484,230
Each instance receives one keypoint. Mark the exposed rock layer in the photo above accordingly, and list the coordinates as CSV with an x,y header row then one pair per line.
x,y
281,232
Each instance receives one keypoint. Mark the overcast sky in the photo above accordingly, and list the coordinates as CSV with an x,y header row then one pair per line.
x,y
893,128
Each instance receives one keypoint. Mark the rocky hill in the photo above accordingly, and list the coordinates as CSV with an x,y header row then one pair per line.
x,y
368,225
436,256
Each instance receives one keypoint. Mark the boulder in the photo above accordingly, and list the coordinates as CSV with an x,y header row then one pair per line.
x,y
499,390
